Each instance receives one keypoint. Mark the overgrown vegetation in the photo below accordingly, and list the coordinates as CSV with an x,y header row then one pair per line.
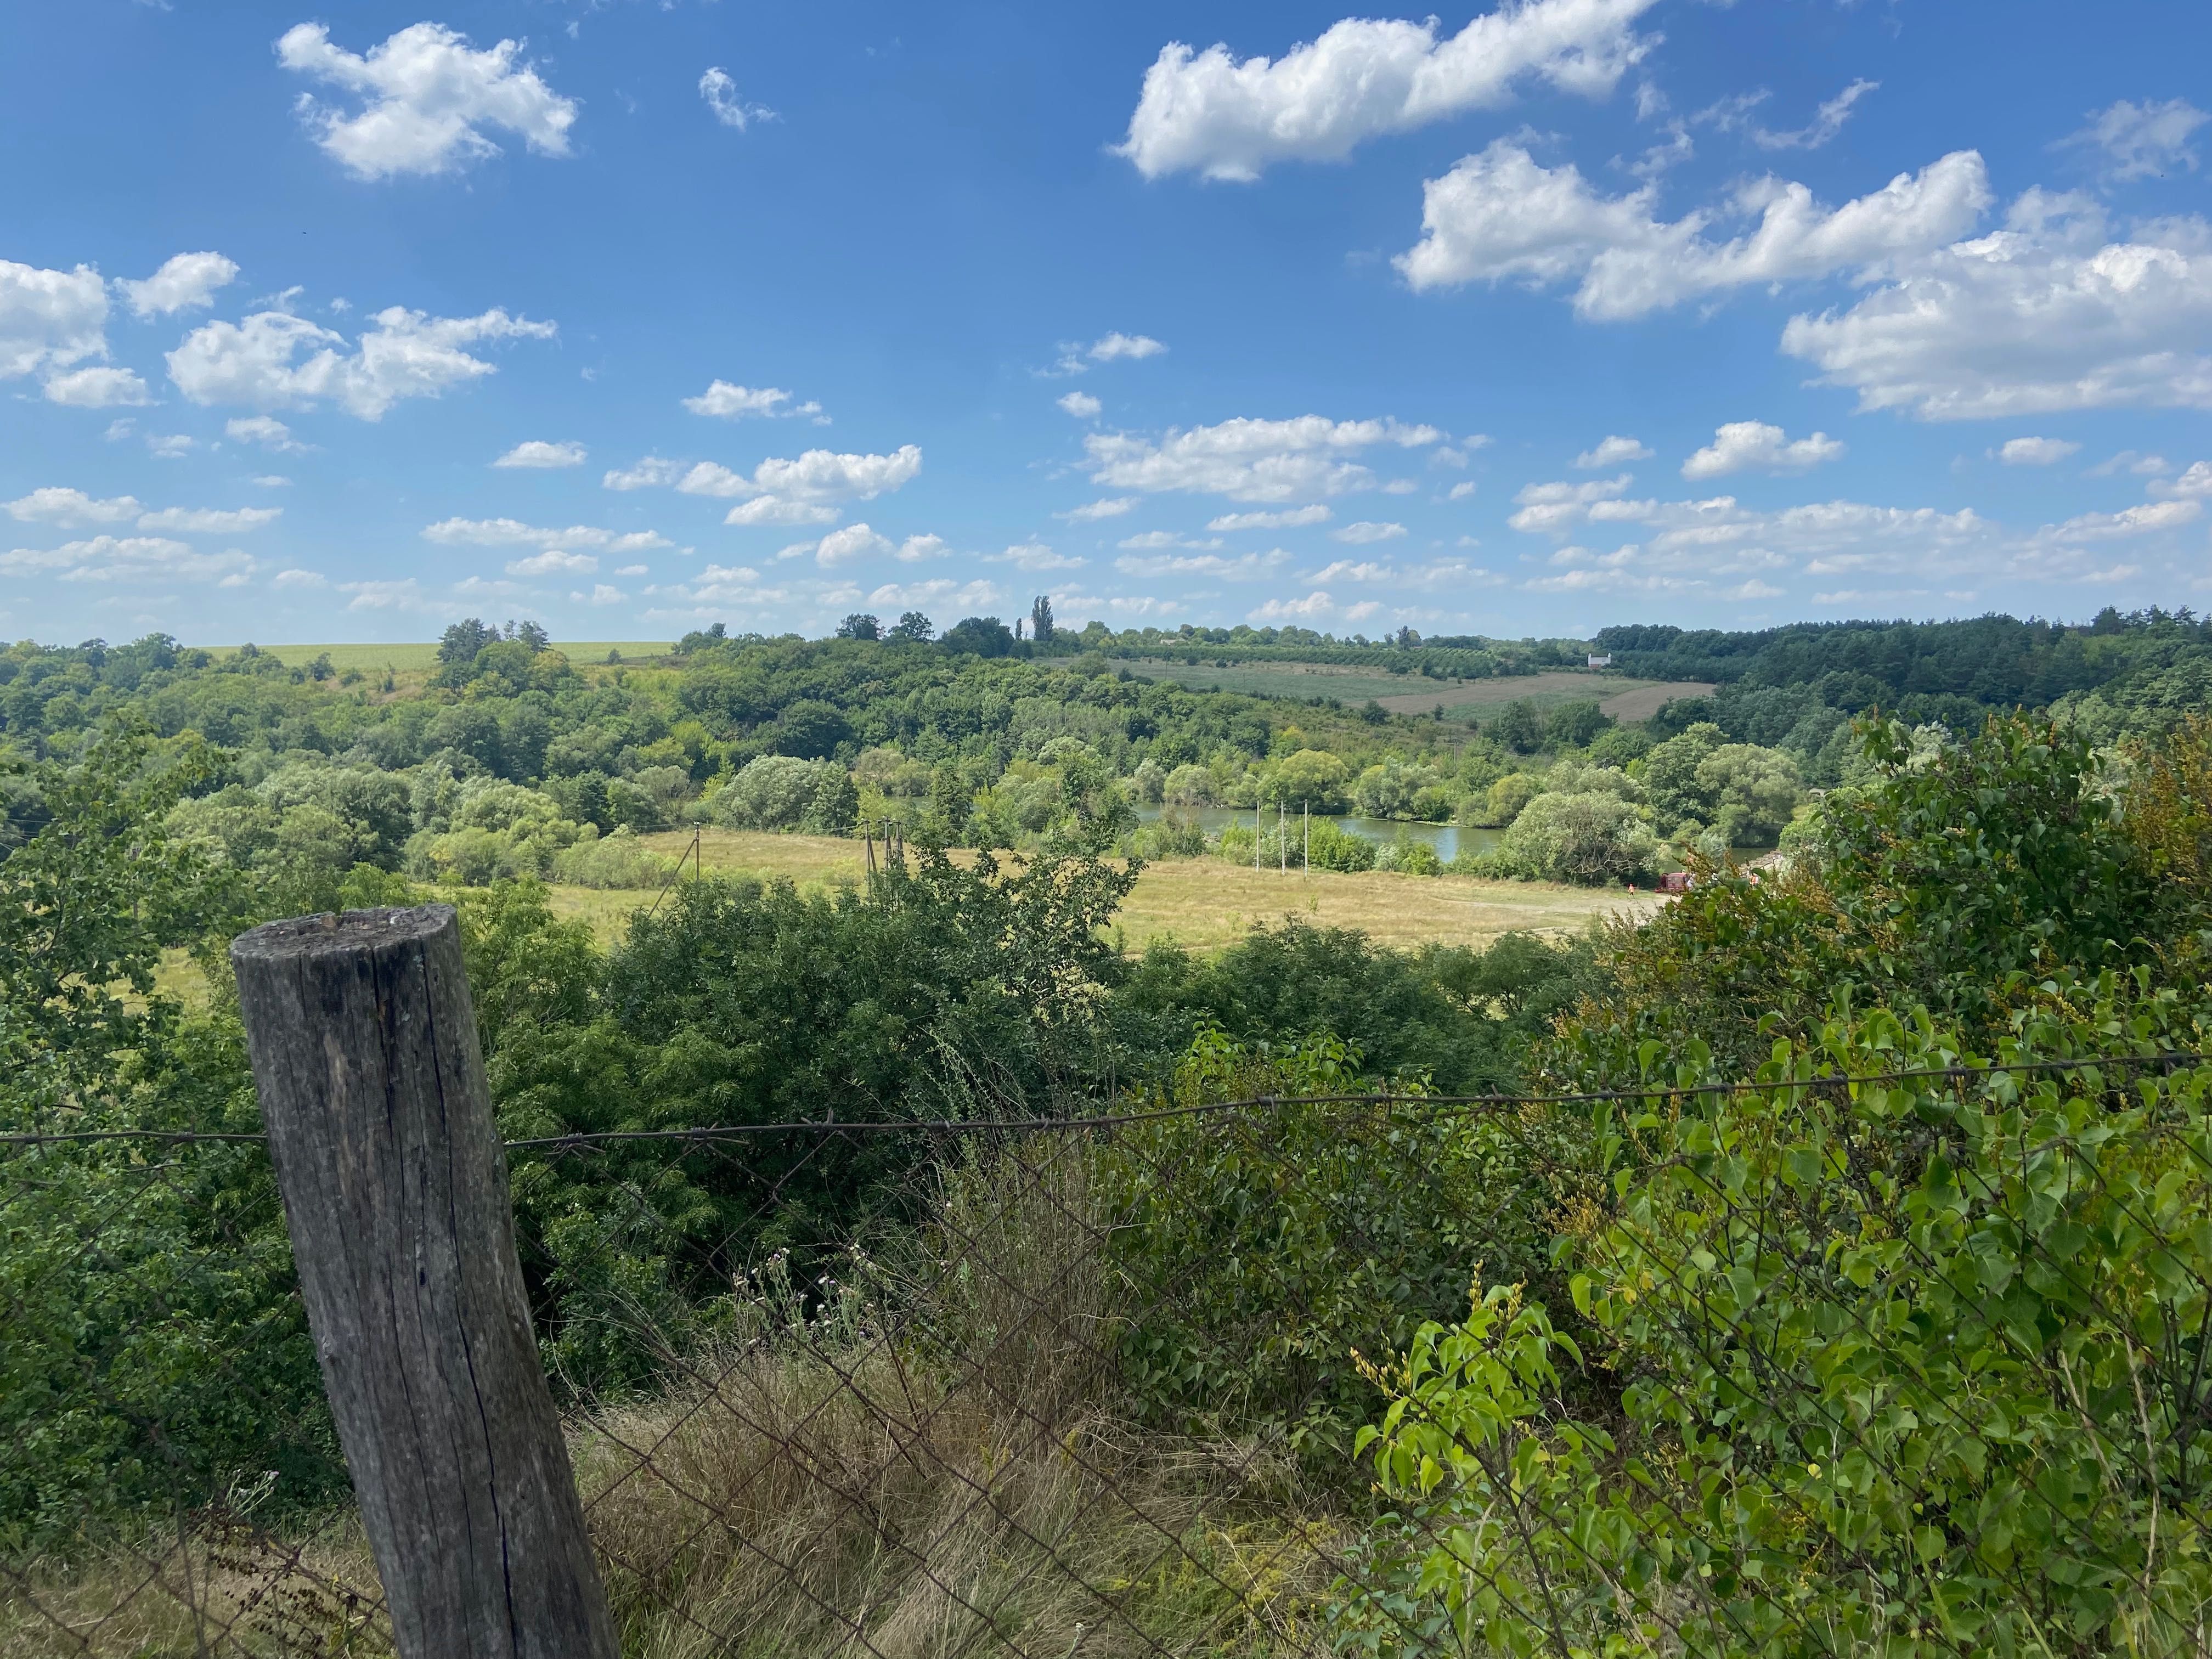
x,y
1771,1350
510,761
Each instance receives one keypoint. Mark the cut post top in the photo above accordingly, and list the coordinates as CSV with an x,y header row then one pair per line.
x,y
341,933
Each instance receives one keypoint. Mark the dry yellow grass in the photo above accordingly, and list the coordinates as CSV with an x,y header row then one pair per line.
x,y
1205,904
934,1465
1199,903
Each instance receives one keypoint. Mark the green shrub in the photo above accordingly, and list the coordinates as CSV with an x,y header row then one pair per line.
x,y
1267,1243
783,792
1175,834
1912,1368
1587,839
1332,848
151,1354
1501,803
1409,857
612,860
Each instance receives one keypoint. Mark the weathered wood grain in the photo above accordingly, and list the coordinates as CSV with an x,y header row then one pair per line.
x,y
372,1091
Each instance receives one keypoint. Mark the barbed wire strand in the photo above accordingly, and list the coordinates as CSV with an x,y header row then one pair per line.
x,y
1122,1120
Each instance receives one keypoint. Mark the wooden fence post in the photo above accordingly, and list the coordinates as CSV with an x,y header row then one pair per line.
x,y
372,1091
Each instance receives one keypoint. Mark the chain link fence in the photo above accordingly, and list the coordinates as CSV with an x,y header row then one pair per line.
x,y
1915,1362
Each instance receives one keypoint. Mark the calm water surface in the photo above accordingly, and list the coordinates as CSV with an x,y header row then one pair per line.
x,y
1447,838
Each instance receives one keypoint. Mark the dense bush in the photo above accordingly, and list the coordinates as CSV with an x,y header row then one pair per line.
x,y
615,860
1269,1244
780,792
149,1346
1589,838
1327,847
1912,1368
1460,1017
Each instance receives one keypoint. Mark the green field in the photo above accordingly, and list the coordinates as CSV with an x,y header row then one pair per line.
x,y
1622,697
1293,679
415,655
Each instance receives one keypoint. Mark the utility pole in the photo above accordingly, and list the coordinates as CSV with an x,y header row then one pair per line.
x,y
1282,837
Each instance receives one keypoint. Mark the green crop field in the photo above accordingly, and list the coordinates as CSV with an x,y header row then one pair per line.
x,y
415,656
1293,679
1622,697
1619,696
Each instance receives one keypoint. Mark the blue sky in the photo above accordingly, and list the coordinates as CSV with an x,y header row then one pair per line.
x,y
632,315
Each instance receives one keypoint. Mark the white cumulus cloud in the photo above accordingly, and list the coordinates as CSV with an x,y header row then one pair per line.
x,y
803,490
187,282
1365,532
1554,507
1289,520
299,579
2045,315
1036,556
71,509
2196,484
128,559
776,509
210,521
1252,460
269,433
2037,451
50,319
1312,608
274,360
1209,112
1502,215
427,97
653,473
942,592
1164,538
720,92
1081,405
1239,567
1116,345
553,561
1612,451
1740,445
404,594
1113,507
1358,570
847,546
97,388
727,401
512,532
2141,520
537,452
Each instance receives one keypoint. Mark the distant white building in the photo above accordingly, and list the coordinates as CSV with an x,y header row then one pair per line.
x,y
1606,661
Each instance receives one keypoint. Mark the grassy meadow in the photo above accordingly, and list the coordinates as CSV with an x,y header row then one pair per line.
x,y
1201,905
1619,696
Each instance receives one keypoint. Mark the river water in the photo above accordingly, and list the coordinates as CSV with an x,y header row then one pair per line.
x,y
1447,838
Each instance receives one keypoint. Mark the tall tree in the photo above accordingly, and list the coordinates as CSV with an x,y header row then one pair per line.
x,y
459,645
1040,619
